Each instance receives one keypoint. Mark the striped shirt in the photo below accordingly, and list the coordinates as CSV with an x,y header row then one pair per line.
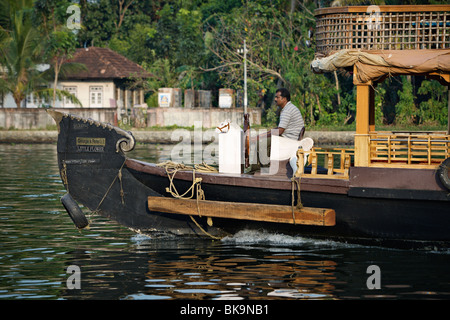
x,y
291,121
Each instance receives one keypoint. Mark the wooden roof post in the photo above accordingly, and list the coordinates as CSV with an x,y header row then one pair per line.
x,y
371,108
365,121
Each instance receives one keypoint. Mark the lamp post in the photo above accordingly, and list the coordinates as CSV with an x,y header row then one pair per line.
x,y
244,51
245,78
246,116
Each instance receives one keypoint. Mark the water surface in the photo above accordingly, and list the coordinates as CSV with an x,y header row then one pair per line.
x,y
38,242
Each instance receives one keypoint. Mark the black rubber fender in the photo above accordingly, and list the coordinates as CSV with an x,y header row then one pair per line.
x,y
443,171
74,211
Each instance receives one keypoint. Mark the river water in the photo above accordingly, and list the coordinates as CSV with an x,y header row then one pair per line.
x,y
43,256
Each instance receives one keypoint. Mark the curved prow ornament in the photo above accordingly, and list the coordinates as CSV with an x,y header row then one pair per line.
x,y
124,144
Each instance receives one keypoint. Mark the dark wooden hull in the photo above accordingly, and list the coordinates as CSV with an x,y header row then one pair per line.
x,y
377,206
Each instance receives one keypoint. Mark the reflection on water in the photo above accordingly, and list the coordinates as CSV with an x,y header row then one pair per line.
x,y
39,241
229,271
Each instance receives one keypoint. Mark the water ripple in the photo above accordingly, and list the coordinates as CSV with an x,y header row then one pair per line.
x,y
39,242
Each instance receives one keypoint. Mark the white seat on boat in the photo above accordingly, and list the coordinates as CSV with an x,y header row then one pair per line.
x,y
282,148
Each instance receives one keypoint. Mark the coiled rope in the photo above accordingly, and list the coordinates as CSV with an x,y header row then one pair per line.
x,y
195,189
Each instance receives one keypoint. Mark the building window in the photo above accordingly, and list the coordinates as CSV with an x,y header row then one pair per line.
x,y
33,101
137,97
96,97
129,98
66,102
29,102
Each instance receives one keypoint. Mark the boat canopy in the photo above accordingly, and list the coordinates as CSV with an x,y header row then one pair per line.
x,y
376,65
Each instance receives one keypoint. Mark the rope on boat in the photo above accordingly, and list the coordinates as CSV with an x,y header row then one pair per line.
x,y
64,175
118,176
203,167
295,182
171,169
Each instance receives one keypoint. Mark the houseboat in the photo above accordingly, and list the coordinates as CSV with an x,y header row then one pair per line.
x,y
391,189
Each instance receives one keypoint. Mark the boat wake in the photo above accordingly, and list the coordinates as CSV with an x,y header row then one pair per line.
x,y
249,237
255,237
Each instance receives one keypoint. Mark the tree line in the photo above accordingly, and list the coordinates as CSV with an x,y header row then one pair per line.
x,y
196,45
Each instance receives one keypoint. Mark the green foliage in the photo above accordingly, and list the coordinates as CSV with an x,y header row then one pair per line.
x,y
98,22
20,52
61,42
271,119
189,40
25,46
405,108
380,93
434,110
194,44
347,108
165,76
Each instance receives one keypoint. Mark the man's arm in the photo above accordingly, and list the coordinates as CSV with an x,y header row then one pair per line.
x,y
278,131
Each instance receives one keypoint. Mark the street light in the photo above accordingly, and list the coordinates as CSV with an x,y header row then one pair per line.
x,y
244,51
246,116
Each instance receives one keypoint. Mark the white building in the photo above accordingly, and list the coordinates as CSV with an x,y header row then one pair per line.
x,y
106,83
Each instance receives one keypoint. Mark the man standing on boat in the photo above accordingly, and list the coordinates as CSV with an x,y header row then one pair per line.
x,y
290,125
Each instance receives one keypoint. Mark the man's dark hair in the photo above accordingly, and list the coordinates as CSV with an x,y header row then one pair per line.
x,y
284,93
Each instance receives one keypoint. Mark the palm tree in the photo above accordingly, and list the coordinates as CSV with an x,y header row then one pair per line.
x,y
21,54
61,46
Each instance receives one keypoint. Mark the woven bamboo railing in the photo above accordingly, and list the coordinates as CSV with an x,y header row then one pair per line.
x,y
382,28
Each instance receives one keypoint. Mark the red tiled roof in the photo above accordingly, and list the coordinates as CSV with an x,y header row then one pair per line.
x,y
103,63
